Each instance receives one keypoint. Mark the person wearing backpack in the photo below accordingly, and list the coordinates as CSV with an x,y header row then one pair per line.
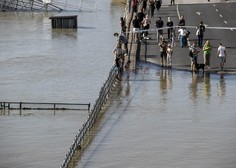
x,y
200,34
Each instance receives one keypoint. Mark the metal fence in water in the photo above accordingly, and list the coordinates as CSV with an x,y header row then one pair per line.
x,y
88,124
43,106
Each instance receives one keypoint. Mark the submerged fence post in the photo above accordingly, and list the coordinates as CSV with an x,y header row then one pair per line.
x,y
20,105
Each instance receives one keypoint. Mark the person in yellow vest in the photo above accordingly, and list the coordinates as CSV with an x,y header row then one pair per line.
x,y
207,53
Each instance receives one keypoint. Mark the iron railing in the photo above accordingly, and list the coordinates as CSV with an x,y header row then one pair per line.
x,y
43,106
80,136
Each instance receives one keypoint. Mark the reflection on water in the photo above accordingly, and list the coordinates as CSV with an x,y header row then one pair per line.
x,y
41,64
221,88
207,86
201,87
165,80
171,119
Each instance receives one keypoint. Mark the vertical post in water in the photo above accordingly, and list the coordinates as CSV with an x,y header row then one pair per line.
x,y
95,7
65,4
31,4
16,5
20,107
81,1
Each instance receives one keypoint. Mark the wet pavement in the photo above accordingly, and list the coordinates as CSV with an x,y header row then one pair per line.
x,y
164,117
150,51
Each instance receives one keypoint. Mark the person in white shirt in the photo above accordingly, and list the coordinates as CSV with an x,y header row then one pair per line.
x,y
182,37
222,55
146,24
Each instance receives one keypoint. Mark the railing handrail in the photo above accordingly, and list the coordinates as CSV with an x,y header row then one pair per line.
x,y
7,105
80,136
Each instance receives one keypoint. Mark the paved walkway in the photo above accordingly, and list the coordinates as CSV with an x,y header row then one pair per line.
x,y
149,51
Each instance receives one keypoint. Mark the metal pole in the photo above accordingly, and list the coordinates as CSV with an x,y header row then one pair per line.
x,y
65,4
81,1
145,49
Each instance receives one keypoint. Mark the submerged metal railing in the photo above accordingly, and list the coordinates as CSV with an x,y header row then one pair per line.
x,y
43,106
80,136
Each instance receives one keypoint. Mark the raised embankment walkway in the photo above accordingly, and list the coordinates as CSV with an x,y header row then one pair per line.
x,y
148,50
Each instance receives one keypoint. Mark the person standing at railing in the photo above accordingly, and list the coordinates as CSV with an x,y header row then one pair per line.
x,y
136,28
122,39
118,59
122,25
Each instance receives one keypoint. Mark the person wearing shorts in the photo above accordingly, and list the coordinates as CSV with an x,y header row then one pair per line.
x,y
222,55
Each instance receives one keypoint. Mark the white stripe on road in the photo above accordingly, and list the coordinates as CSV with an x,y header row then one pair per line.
x,y
177,9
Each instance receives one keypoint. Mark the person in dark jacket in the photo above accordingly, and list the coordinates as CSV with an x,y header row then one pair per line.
x,y
181,21
159,25
158,4
200,34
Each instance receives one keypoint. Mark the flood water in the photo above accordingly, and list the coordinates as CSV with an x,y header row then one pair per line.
x,y
38,64
158,119
167,118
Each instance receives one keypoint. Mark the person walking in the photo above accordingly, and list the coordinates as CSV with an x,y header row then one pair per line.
x,y
172,2
144,5
151,7
158,4
200,34
169,24
135,6
207,53
221,52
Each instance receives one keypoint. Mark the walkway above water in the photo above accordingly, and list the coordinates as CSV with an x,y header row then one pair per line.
x,y
150,51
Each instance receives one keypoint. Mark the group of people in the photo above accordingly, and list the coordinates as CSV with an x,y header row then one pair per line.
x,y
141,24
121,51
207,48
